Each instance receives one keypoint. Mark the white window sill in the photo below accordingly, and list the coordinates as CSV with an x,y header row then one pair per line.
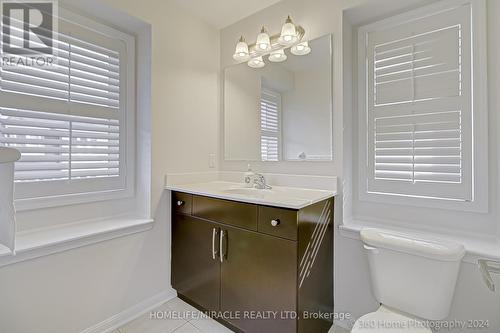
x,y
476,248
41,242
479,205
71,199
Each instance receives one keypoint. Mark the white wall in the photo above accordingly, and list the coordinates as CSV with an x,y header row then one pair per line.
x,y
352,287
73,290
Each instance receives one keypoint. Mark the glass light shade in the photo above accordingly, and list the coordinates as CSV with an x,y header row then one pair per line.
x,y
241,53
263,43
256,62
289,34
301,49
277,56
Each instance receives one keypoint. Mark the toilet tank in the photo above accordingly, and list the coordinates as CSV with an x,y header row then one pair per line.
x,y
412,274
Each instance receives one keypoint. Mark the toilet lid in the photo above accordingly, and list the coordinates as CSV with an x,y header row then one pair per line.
x,y
386,321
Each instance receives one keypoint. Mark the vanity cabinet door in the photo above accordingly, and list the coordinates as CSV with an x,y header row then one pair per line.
x,y
195,271
259,274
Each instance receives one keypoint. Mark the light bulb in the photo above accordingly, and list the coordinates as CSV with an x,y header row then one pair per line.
x,y
256,62
288,33
301,49
277,56
263,43
241,53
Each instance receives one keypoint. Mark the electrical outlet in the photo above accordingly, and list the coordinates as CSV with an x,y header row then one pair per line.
x,y
211,161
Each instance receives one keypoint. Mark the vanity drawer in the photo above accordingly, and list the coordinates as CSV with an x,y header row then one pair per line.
x,y
224,211
182,203
284,220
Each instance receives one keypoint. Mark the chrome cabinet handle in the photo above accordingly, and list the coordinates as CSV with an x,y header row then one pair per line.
x,y
275,222
180,203
214,251
221,243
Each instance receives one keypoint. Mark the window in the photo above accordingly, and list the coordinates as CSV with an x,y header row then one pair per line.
x,y
73,121
270,125
417,100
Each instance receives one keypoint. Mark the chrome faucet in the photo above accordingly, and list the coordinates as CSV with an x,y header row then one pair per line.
x,y
259,182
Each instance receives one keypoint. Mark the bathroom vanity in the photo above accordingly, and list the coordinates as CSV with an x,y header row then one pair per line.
x,y
256,267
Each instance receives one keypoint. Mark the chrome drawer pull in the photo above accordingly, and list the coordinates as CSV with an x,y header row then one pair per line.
x,y
214,251
221,243
275,222
180,203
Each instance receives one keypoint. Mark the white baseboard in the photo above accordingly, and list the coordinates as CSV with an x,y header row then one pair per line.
x,y
118,320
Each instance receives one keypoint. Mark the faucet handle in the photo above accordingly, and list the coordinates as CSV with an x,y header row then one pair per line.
x,y
259,177
249,177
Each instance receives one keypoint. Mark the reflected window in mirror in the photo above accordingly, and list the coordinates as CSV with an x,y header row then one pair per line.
x,y
270,125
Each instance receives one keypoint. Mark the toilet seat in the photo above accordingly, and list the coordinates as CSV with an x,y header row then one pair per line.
x,y
386,320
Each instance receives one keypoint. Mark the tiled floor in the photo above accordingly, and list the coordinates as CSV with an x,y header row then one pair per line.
x,y
340,330
192,321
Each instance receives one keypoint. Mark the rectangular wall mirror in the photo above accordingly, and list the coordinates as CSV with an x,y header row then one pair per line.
x,y
283,111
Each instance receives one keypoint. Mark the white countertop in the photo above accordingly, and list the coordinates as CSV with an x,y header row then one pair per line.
x,y
278,196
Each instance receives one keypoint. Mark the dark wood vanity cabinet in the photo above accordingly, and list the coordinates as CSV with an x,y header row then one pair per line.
x,y
194,273
257,268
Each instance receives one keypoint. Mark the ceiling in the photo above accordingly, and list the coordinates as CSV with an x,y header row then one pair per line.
x,y
221,13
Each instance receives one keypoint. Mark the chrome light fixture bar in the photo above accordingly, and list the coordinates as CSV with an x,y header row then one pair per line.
x,y
290,37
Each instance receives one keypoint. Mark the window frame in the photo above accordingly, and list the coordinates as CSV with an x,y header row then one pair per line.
x,y
92,190
479,202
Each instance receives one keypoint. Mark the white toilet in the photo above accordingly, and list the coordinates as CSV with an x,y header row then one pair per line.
x,y
413,279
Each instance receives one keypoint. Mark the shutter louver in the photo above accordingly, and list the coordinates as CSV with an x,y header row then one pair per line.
x,y
419,107
83,73
269,148
65,118
270,125
46,153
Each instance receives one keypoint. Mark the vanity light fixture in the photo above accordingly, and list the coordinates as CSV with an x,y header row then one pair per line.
x,y
241,53
256,62
278,56
301,48
263,41
291,36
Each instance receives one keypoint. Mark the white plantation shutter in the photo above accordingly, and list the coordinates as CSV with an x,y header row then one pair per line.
x,y
60,147
419,106
68,119
86,73
270,104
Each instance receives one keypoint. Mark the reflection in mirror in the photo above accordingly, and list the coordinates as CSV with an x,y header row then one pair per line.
x,y
282,112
